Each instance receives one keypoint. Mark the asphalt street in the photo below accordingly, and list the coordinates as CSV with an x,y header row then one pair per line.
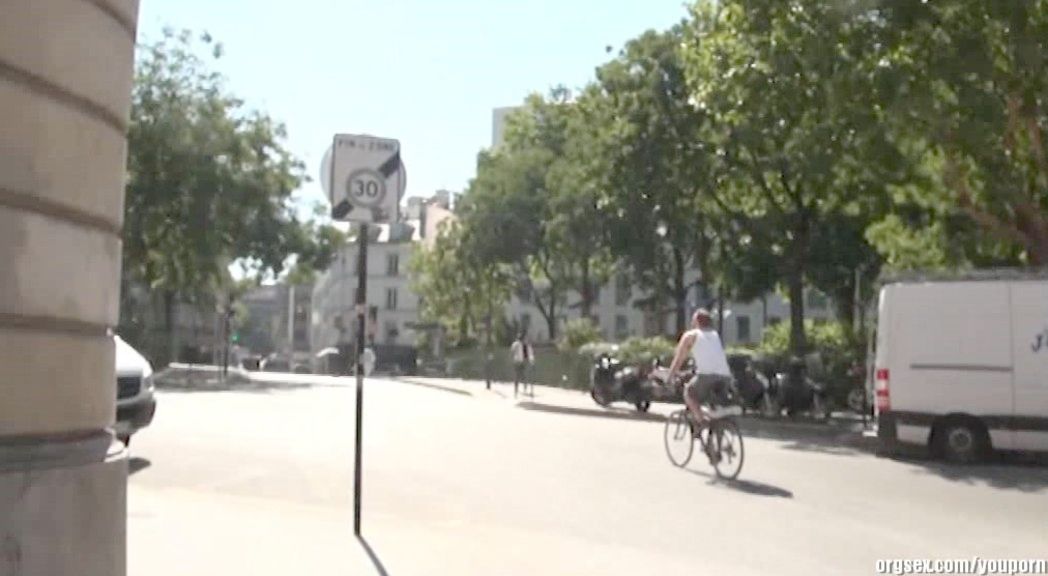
x,y
460,480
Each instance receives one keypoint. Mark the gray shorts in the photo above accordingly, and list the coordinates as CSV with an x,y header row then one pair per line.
x,y
708,388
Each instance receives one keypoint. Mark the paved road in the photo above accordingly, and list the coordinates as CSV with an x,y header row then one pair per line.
x,y
465,481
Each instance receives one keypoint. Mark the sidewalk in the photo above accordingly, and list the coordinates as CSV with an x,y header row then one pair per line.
x,y
173,532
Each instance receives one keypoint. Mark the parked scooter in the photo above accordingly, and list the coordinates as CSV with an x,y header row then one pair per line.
x,y
611,381
754,388
797,393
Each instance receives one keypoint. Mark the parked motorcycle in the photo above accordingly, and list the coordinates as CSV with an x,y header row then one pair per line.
x,y
797,393
756,390
611,381
660,390
857,399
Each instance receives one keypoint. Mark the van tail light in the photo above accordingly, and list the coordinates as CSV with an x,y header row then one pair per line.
x,y
881,390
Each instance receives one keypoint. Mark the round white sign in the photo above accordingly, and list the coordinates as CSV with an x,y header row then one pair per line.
x,y
365,188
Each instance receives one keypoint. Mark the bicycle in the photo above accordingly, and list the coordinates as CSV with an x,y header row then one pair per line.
x,y
719,436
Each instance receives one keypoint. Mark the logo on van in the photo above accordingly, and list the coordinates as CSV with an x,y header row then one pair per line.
x,y
1040,341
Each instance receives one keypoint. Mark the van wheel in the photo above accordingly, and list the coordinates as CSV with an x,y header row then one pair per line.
x,y
961,441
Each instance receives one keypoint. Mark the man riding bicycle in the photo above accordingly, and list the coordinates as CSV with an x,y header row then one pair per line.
x,y
712,374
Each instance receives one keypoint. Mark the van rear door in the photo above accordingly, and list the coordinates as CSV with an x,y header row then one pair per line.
x,y
1030,350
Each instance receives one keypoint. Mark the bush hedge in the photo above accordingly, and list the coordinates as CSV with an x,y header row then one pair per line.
x,y
832,349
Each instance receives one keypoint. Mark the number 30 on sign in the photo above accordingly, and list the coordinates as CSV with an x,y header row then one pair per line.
x,y
366,188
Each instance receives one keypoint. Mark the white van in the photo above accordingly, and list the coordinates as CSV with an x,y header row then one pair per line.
x,y
962,364
135,401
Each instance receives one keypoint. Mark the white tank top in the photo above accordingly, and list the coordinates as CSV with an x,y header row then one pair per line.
x,y
708,353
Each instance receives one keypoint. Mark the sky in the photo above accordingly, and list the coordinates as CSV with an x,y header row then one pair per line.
x,y
426,72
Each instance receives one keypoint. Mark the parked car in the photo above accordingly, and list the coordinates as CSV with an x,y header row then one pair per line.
x,y
275,364
962,365
135,399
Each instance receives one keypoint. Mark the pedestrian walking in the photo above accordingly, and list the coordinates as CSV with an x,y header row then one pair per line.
x,y
368,361
523,358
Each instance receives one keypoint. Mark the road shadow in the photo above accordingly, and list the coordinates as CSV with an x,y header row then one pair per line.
x,y
834,447
374,557
182,381
1023,473
830,438
433,386
137,464
611,413
745,486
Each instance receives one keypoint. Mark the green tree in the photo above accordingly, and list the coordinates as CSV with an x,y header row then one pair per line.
x,y
209,182
969,82
441,274
577,223
802,161
656,162
504,217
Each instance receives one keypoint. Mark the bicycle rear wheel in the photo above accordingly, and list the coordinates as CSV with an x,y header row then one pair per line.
x,y
726,448
678,438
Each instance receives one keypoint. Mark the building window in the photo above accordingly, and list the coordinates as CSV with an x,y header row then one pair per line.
x,y
817,300
742,328
595,294
774,321
393,265
622,327
391,331
623,290
391,298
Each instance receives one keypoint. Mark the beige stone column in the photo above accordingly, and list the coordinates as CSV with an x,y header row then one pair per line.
x,y
65,84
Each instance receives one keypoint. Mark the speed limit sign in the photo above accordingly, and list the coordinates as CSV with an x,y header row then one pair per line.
x,y
366,187
366,179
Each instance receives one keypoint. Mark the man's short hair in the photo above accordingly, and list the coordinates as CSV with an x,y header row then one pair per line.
x,y
703,318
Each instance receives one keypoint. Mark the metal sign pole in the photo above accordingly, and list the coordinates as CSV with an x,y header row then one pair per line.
x,y
362,285
363,177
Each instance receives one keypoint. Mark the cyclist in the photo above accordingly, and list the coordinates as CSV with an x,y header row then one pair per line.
x,y
712,374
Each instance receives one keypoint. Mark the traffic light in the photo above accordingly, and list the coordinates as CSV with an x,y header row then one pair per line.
x,y
235,338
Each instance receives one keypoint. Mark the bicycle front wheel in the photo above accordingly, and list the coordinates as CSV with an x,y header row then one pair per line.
x,y
678,438
726,448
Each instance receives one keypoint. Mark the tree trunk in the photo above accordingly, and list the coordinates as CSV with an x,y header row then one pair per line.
x,y
844,305
464,320
798,340
1038,254
548,312
720,311
586,289
551,320
170,326
487,346
680,292
795,281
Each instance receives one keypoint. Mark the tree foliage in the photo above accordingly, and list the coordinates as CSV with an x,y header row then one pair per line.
x,y
970,82
802,166
460,290
657,170
210,182
779,145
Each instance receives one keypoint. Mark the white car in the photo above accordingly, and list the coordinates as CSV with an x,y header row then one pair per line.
x,y
135,401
